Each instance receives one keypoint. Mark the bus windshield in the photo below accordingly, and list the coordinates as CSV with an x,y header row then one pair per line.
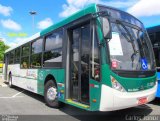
x,y
129,48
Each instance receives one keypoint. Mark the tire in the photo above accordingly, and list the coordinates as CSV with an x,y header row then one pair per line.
x,y
50,94
10,81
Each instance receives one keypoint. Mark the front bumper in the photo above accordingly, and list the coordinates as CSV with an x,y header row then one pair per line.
x,y
112,99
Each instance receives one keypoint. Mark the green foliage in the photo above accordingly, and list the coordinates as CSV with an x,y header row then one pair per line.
x,y
3,47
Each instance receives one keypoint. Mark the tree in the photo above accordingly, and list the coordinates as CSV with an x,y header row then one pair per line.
x,y
3,47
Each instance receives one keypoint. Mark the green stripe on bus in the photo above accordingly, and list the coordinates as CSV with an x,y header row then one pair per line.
x,y
89,9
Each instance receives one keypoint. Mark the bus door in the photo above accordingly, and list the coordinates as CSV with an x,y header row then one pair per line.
x,y
79,63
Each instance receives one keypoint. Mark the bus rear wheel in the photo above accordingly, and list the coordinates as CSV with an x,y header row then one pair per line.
x,y
50,94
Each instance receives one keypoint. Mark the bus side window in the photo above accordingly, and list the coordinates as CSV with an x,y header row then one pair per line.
x,y
11,57
95,58
25,56
17,56
53,50
36,53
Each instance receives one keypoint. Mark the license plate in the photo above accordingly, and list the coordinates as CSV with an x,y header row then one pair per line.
x,y
142,100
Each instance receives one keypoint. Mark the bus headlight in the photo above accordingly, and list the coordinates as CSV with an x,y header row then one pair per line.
x,y
116,85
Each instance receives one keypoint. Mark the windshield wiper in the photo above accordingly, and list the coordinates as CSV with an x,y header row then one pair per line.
x,y
131,38
141,42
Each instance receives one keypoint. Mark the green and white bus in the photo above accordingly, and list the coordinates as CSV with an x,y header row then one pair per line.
x,y
98,59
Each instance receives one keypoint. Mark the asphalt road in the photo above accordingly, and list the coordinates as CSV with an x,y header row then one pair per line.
x,y
20,105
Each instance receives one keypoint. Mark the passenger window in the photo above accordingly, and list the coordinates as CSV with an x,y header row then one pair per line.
x,y
25,62
37,46
54,41
11,57
25,56
53,50
25,50
36,60
17,56
36,54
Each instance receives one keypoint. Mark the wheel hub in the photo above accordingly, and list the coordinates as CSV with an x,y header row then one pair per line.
x,y
51,93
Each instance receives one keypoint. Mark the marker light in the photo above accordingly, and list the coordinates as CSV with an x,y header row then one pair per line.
x,y
116,85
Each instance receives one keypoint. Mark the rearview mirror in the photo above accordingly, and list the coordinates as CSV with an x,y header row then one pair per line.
x,y
106,27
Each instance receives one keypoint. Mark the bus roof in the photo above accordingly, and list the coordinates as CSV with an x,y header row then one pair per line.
x,y
92,8
89,9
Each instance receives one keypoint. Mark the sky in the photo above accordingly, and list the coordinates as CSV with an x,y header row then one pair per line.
x,y
16,24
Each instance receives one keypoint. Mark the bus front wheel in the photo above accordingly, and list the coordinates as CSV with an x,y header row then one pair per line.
x,y
50,94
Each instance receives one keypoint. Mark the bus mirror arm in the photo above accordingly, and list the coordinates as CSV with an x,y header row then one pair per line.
x,y
100,14
105,23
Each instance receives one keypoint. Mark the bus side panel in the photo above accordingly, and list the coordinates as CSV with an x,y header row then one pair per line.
x,y
58,74
95,88
23,78
95,91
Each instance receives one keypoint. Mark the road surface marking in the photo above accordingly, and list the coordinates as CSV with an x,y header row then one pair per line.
x,y
10,97
17,93
14,96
